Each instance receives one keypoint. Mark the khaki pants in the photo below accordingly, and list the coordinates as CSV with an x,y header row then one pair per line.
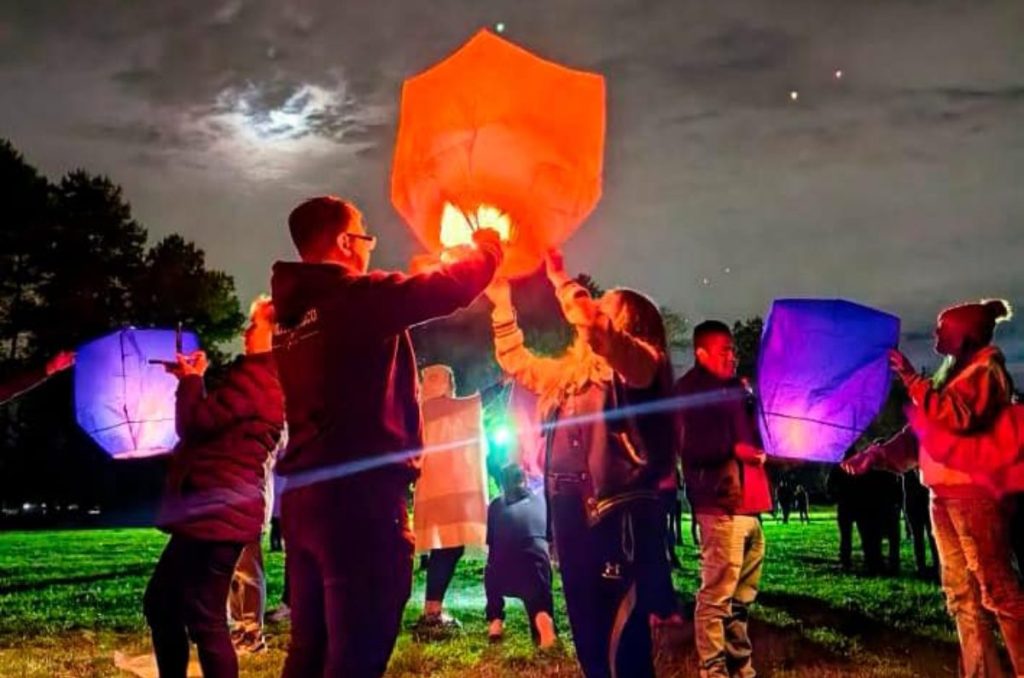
x,y
247,598
973,536
732,552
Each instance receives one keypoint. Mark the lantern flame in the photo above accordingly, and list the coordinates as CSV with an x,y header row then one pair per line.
x,y
457,226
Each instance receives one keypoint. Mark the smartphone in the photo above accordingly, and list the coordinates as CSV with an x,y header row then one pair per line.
x,y
177,350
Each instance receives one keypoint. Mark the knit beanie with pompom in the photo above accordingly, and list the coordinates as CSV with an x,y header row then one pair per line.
x,y
977,321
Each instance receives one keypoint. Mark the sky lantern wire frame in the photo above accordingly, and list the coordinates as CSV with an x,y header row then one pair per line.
x,y
125,403
496,136
823,375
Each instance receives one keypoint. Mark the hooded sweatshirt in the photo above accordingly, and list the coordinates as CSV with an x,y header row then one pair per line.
x,y
347,365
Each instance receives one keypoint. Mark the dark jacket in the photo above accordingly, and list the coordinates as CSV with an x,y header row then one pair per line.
x,y
624,453
216,484
347,364
14,386
714,416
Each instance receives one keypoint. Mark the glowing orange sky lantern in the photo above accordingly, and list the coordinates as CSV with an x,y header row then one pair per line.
x,y
495,136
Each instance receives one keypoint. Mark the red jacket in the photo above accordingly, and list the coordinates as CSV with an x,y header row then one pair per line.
x,y
347,364
217,481
962,434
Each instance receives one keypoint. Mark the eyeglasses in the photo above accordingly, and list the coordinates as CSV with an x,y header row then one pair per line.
x,y
371,239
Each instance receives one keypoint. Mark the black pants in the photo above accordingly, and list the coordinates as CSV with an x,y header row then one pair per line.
x,y
275,535
523,576
673,509
845,518
440,570
665,597
1017,531
284,589
921,534
608,576
350,575
873,527
876,526
187,598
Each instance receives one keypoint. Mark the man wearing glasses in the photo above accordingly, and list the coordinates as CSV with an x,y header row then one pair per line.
x,y
348,371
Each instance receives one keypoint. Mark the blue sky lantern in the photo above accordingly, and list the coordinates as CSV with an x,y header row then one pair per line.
x,y
823,375
122,400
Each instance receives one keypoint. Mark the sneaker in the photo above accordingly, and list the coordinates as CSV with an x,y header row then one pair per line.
x,y
496,630
546,636
436,627
251,642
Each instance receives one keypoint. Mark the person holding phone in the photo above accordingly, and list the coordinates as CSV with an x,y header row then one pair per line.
x,y
214,501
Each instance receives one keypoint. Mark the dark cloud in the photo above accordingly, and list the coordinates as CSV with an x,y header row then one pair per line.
x,y
143,133
1014,94
896,184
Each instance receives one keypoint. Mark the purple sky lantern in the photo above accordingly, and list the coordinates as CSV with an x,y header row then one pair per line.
x,y
122,401
823,375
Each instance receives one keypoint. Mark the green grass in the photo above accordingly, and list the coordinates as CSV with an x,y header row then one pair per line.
x,y
68,599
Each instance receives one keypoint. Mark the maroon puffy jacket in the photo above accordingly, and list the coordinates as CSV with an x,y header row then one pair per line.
x,y
216,484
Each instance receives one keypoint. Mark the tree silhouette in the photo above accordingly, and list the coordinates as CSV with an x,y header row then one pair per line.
x,y
24,235
175,286
74,266
746,334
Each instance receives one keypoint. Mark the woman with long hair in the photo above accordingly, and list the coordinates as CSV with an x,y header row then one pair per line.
x,y
607,445
962,406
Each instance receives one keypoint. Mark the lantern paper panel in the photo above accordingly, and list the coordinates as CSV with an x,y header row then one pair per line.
x,y
823,375
496,136
122,401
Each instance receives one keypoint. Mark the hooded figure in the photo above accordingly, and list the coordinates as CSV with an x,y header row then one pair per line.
x,y
450,500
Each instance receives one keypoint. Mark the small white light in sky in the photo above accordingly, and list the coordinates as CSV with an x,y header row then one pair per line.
x,y
839,75
706,281
794,95
500,27
727,270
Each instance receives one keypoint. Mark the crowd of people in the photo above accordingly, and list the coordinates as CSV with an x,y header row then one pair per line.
x,y
329,360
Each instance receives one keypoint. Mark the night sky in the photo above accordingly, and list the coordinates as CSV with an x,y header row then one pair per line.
x,y
893,177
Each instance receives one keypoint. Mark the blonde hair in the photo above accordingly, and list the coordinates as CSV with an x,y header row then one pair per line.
x,y
262,304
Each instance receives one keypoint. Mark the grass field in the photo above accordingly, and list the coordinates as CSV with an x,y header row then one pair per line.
x,y
69,599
